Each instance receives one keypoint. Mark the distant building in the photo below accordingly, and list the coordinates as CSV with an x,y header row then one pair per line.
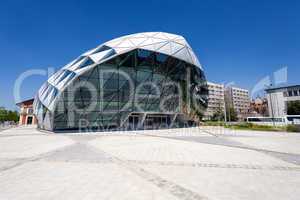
x,y
259,107
216,102
239,100
26,112
279,97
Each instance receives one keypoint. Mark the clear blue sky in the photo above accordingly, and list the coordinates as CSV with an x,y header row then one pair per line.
x,y
240,41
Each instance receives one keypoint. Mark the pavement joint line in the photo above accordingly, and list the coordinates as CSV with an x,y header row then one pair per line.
x,y
275,154
32,159
21,161
165,185
174,189
214,165
168,186
85,150
208,132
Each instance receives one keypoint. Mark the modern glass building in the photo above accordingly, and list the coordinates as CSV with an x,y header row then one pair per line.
x,y
146,80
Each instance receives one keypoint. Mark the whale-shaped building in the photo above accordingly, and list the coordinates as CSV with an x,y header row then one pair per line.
x,y
141,81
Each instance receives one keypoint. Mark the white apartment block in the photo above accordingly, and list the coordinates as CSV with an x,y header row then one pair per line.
x,y
239,99
279,97
216,100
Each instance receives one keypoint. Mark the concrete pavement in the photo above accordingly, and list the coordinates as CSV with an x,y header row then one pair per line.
x,y
191,163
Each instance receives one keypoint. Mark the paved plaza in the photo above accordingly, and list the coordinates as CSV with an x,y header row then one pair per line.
x,y
191,163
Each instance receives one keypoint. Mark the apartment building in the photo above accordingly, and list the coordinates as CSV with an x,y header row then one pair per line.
x,y
216,102
239,100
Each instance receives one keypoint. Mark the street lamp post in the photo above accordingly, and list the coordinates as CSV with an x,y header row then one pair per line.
x,y
225,114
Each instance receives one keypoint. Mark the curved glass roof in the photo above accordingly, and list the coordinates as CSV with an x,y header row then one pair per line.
x,y
165,43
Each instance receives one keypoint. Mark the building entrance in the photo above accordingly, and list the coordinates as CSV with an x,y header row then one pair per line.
x,y
157,122
133,122
29,120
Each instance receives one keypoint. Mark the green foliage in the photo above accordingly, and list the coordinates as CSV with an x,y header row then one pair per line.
x,y
218,115
293,107
231,114
214,123
8,115
199,114
255,127
292,128
250,126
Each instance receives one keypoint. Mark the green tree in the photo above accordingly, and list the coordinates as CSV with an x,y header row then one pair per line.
x,y
218,115
3,114
8,115
12,116
293,107
231,114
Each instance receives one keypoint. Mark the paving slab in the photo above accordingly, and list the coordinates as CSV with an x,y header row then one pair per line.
x,y
186,164
164,149
74,180
234,183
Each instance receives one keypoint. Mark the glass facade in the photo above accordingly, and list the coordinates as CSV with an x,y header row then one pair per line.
x,y
132,84
141,81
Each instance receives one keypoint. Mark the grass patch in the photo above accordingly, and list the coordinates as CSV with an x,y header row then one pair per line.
x,y
255,127
292,128
214,123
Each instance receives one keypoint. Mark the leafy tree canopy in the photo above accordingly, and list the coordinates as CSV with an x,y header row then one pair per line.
x,y
8,115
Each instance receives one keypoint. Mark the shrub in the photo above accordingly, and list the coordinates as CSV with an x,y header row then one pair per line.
x,y
292,128
214,123
255,127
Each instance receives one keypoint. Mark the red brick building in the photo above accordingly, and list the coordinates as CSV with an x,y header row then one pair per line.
x,y
26,112
259,107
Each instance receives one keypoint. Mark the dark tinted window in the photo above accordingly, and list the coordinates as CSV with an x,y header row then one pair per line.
x,y
86,63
